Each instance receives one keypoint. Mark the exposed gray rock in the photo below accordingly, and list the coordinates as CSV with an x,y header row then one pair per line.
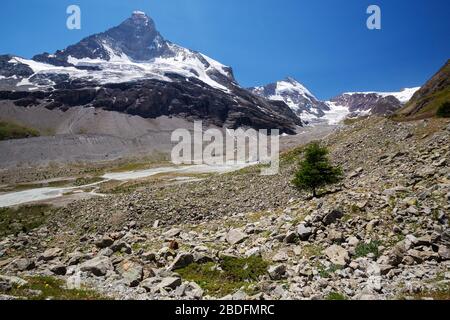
x,y
183,259
104,242
51,254
304,232
291,237
98,266
332,216
236,236
24,264
337,255
277,272
131,271
13,281
170,282
58,269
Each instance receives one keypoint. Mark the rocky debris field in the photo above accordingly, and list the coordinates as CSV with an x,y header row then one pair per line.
x,y
382,234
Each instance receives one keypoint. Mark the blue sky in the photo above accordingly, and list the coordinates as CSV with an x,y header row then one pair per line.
x,y
323,43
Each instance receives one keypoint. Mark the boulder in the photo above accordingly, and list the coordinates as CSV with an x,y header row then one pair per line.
x,y
332,216
291,237
277,272
304,232
121,246
104,242
172,233
280,256
236,236
58,269
182,260
170,282
51,254
337,255
98,266
23,264
13,281
131,271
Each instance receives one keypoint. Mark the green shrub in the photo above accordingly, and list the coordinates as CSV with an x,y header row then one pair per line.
x,y
23,219
444,110
336,296
363,249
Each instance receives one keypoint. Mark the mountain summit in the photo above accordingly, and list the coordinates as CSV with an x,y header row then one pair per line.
x,y
136,37
132,69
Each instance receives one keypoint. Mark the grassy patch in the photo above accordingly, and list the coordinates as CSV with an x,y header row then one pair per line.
x,y
311,250
291,156
134,166
87,180
9,130
335,296
350,121
364,249
42,288
23,219
327,272
229,276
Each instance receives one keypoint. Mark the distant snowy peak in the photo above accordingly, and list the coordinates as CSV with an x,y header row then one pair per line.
x,y
379,103
403,96
295,95
349,104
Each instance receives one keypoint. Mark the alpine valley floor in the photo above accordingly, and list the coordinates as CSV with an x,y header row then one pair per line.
x,y
382,234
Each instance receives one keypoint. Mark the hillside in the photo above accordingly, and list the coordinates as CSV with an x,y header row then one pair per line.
x,y
430,97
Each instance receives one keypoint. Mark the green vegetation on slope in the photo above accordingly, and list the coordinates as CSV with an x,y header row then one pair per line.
x,y
229,276
9,130
23,219
444,110
429,99
42,288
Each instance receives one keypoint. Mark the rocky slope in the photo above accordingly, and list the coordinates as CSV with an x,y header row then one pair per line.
x,y
132,69
428,99
383,234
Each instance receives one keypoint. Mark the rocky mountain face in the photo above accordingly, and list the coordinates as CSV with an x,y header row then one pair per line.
x,y
376,103
382,234
368,103
132,69
427,100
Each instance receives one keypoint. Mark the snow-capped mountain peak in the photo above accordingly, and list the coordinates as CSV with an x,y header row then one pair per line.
x,y
290,84
131,68
131,51
295,95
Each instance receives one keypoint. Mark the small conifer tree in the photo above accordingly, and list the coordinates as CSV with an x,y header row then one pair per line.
x,y
315,170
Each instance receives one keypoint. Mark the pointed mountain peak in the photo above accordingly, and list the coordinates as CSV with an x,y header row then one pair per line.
x,y
291,80
140,18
